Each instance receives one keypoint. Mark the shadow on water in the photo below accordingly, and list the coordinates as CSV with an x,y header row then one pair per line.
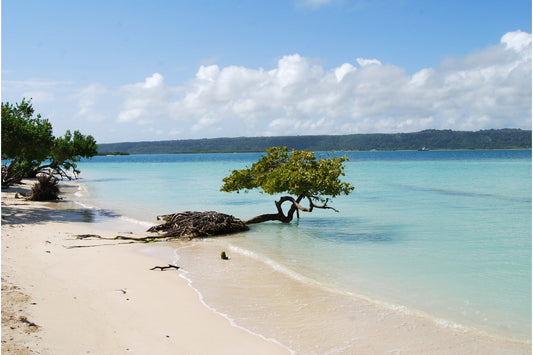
x,y
337,230
243,202
37,213
459,193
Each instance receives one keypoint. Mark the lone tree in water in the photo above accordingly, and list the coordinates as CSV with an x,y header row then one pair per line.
x,y
297,173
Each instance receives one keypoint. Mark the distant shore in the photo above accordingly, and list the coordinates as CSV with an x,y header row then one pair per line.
x,y
430,139
61,295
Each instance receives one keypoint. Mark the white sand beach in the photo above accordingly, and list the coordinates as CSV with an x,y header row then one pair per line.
x,y
99,299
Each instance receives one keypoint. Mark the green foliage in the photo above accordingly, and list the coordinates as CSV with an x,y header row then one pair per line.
x,y
432,139
69,149
28,142
23,136
297,173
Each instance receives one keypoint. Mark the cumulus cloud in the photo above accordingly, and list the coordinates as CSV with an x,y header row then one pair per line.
x,y
517,40
146,101
486,89
489,88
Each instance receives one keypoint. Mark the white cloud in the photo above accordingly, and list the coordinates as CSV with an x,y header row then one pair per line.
x,y
89,102
156,80
145,102
344,69
486,89
40,91
517,40
364,62
489,88
314,3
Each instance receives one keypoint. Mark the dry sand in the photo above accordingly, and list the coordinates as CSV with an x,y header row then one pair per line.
x,y
99,299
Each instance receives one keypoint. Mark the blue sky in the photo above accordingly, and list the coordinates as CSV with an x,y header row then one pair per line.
x,y
153,70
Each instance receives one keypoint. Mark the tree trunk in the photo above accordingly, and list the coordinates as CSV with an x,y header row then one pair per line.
x,y
268,217
295,207
10,175
280,216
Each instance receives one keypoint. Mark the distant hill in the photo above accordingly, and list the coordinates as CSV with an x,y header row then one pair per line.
x,y
429,139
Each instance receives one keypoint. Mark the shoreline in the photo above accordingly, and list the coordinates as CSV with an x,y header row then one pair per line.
x,y
63,296
120,289
309,319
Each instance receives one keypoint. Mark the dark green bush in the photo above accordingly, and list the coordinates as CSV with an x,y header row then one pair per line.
x,y
45,189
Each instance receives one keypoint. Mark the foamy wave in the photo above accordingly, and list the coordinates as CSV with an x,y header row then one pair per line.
x,y
176,258
401,309
136,221
82,191
274,265
449,324
183,274
84,205
411,312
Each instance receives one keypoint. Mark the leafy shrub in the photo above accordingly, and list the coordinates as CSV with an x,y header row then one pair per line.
x,y
45,189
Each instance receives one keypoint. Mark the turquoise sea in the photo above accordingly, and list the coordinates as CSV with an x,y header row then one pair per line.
x,y
441,234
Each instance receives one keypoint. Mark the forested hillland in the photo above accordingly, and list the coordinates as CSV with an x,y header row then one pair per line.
x,y
428,139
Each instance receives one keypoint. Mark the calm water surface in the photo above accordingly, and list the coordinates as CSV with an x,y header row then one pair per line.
x,y
446,234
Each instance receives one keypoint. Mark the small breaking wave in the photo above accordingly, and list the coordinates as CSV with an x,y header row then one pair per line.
x,y
274,265
383,304
185,275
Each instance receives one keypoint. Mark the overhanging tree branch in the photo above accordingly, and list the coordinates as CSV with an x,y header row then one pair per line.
x,y
29,143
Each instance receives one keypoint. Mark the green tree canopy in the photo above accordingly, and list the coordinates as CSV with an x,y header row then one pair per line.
x,y
298,173
24,136
30,145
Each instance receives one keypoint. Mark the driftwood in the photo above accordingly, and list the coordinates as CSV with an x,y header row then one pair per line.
x,y
190,225
147,239
185,225
163,268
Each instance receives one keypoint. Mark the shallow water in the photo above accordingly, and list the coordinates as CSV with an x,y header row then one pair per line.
x,y
446,235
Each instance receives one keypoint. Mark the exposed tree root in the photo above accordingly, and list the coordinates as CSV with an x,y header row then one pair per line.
x,y
183,225
147,239
94,245
190,225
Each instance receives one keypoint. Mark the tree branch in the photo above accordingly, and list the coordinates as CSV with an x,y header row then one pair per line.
x,y
296,203
324,206
163,268
295,207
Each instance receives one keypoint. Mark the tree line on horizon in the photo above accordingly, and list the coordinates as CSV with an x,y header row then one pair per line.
x,y
428,139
